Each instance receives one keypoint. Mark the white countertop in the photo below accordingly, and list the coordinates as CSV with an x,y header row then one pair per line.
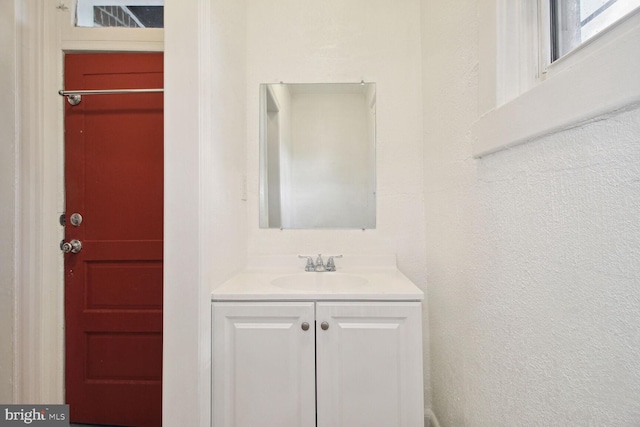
x,y
358,278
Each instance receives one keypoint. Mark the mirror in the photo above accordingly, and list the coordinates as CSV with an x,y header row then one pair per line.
x,y
317,155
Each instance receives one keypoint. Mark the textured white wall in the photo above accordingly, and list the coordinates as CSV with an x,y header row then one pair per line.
x,y
533,256
8,150
347,41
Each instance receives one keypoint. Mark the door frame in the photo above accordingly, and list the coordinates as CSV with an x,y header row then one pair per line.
x,y
39,336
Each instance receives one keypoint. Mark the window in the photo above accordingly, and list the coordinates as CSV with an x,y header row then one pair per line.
x,y
120,13
522,96
576,21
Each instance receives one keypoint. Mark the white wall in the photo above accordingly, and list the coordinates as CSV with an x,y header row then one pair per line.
x,y
205,230
533,256
8,150
331,162
336,41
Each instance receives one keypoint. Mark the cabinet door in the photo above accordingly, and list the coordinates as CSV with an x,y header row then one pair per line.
x,y
263,364
369,365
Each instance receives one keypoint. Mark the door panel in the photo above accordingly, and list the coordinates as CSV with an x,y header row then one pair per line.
x,y
369,364
263,364
113,287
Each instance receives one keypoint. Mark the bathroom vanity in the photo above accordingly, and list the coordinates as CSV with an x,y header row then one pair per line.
x,y
301,349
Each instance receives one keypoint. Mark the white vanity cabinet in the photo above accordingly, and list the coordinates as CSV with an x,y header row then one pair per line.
x,y
358,364
263,364
369,364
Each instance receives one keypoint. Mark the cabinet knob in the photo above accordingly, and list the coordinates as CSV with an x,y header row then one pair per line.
x,y
324,326
305,326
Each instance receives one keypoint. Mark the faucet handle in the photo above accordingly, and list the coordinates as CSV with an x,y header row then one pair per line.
x,y
319,264
309,266
331,266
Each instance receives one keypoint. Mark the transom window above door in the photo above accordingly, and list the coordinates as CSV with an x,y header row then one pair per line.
x,y
120,13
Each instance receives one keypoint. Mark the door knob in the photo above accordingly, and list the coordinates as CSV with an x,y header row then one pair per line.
x,y
305,326
74,246
324,326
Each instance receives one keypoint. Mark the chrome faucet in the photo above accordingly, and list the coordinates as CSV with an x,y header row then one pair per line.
x,y
309,266
319,266
331,266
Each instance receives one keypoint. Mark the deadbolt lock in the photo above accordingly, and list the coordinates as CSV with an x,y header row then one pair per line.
x,y
75,219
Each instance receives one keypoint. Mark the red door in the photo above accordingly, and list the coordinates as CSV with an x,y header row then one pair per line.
x,y
113,286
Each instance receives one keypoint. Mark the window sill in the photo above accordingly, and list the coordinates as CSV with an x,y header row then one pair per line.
x,y
601,80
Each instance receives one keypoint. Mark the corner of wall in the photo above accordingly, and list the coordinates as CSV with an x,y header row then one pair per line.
x,y
205,225
8,195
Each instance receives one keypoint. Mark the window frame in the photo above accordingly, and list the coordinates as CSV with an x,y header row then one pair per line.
x,y
524,96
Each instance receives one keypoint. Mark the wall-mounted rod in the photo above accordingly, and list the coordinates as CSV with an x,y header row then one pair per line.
x,y
106,91
74,97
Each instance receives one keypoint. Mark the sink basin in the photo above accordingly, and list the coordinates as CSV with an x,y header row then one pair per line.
x,y
319,282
